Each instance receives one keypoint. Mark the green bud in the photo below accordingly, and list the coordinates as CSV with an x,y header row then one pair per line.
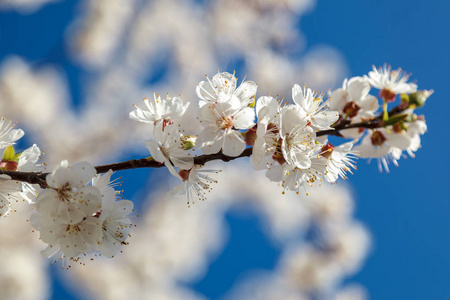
x,y
404,98
8,154
189,142
419,98
16,157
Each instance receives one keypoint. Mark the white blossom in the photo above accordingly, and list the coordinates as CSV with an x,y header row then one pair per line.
x,y
339,161
267,133
316,110
168,109
353,99
167,148
222,88
390,82
68,198
221,121
384,146
113,217
297,137
196,183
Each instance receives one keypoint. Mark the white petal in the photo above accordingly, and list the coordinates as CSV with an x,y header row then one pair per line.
x,y
28,159
299,97
60,176
205,92
358,88
210,140
233,143
181,159
142,115
369,103
338,99
13,135
400,140
155,151
244,119
81,173
4,206
246,92
323,120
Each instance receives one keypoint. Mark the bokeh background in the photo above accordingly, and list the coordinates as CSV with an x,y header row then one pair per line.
x,y
71,70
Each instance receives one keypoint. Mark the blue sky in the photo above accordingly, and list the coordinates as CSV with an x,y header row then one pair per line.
x,y
406,211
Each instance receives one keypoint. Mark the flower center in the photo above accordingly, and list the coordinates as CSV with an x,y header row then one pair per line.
x,y
378,138
387,95
63,192
184,174
351,109
225,123
73,228
326,150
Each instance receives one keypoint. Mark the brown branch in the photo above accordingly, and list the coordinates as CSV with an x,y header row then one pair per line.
x,y
39,178
30,177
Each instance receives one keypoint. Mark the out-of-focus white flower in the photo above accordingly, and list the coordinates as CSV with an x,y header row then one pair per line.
x,y
167,148
390,82
222,87
24,6
69,199
307,269
221,119
352,292
24,274
168,109
98,32
348,245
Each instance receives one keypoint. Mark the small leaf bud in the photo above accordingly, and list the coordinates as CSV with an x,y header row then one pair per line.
x,y
420,97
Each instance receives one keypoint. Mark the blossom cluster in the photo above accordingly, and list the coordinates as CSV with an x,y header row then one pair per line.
x,y
290,140
73,218
12,190
77,212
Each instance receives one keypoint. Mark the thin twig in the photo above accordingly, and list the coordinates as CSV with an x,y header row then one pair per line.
x,y
39,178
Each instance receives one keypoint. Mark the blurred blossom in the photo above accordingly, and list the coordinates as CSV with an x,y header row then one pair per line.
x,y
352,292
24,6
99,30
23,272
